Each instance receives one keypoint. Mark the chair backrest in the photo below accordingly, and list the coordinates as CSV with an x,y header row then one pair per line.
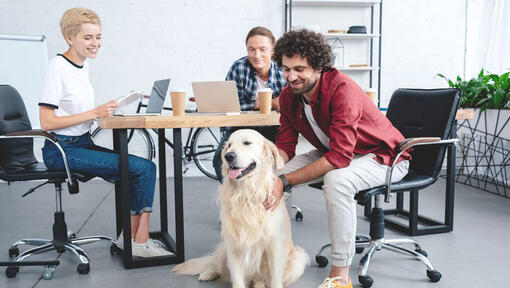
x,y
14,153
425,113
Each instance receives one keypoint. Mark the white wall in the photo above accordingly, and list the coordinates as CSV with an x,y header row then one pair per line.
x,y
198,40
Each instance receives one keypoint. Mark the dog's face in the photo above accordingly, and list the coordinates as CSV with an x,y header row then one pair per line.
x,y
246,152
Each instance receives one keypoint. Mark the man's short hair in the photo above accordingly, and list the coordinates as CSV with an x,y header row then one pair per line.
x,y
305,43
260,31
72,19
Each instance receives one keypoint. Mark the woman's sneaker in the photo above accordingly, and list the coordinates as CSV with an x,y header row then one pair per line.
x,y
151,248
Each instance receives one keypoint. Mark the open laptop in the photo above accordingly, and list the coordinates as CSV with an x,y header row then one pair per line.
x,y
216,97
156,100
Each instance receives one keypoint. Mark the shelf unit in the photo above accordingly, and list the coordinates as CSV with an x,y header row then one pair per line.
x,y
338,40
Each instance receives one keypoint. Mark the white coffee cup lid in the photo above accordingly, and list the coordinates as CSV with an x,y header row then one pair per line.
x,y
371,90
265,90
178,90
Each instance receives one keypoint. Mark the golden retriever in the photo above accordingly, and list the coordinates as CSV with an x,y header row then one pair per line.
x,y
257,247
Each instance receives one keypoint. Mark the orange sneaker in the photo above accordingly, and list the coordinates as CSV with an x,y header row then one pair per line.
x,y
333,283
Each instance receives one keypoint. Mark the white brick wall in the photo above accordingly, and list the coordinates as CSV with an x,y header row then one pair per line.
x,y
198,40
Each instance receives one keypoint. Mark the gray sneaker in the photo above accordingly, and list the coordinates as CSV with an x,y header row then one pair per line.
x,y
151,248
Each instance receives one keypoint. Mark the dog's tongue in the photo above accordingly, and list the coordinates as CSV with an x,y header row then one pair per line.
x,y
233,173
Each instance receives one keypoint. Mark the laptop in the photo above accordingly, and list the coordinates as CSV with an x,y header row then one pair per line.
x,y
156,100
216,97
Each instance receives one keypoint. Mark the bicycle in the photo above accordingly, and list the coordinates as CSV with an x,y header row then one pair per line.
x,y
200,144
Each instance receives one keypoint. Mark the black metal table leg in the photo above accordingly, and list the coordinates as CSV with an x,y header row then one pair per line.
x,y
179,215
122,202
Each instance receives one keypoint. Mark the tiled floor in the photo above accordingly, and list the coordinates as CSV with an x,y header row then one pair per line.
x,y
475,254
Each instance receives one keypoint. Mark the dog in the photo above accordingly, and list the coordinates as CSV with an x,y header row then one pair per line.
x,y
257,247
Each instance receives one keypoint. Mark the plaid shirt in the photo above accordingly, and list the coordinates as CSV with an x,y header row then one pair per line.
x,y
245,77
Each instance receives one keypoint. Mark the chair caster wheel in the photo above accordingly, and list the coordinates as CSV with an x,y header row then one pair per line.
x,y
13,252
434,275
83,268
321,260
114,249
10,272
71,235
422,252
299,216
359,250
366,281
48,272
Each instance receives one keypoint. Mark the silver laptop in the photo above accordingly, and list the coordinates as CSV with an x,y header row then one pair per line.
x,y
216,97
156,100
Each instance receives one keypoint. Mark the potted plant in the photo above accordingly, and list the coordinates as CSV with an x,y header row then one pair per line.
x,y
485,140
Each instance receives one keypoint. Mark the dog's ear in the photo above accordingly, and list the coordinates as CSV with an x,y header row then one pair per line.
x,y
224,169
271,150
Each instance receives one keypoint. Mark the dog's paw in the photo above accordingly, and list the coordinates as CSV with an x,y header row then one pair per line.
x,y
208,275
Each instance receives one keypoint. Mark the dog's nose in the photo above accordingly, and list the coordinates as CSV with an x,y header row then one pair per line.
x,y
230,156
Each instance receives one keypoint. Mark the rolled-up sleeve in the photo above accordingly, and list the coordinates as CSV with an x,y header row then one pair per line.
x,y
346,112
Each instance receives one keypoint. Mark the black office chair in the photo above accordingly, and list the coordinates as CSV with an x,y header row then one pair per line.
x,y
426,118
17,163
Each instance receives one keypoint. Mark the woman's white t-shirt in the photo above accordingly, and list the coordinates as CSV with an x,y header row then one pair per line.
x,y
67,88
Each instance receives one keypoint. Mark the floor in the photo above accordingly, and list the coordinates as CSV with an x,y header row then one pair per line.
x,y
475,254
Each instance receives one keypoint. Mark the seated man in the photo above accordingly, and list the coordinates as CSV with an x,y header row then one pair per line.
x,y
355,142
251,73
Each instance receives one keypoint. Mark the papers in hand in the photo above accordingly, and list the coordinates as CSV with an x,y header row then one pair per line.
x,y
126,100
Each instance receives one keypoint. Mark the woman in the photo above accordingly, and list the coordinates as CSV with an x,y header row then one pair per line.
x,y
67,110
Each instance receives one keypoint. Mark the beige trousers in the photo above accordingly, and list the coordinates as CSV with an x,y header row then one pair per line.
x,y
339,188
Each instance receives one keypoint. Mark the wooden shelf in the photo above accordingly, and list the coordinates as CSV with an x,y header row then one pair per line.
x,y
357,68
364,3
350,36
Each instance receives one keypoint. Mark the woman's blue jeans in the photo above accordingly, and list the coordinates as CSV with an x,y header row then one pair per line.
x,y
83,156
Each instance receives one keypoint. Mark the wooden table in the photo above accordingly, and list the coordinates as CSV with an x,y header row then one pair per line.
x,y
120,124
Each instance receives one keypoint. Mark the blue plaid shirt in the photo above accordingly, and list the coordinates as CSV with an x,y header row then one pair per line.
x,y
245,77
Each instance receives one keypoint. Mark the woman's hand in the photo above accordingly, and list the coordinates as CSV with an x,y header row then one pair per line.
x,y
106,109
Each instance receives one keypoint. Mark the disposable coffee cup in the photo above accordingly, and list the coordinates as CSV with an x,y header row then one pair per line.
x,y
372,93
178,101
265,97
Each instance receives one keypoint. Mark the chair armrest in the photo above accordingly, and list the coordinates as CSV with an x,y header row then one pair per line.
x,y
34,132
38,133
404,146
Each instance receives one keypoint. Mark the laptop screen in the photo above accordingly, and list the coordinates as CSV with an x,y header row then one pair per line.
x,y
158,94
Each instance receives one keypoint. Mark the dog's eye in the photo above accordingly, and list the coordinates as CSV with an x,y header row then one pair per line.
x,y
246,142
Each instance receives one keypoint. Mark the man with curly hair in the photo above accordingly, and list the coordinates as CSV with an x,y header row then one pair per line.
x,y
354,141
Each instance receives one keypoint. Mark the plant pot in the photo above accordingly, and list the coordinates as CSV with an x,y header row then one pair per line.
x,y
484,151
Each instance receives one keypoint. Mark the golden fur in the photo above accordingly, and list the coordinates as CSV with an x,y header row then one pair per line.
x,y
257,247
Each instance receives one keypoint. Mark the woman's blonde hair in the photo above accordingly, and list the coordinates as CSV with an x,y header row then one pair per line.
x,y
72,19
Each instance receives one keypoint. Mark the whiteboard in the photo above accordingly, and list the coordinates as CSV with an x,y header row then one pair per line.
x,y
23,61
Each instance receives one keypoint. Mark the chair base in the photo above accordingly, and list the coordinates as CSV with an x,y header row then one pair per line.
x,y
63,240
364,242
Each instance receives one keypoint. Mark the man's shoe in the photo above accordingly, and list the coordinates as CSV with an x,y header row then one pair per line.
x,y
333,283
151,248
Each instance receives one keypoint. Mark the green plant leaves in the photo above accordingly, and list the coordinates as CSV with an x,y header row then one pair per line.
x,y
486,91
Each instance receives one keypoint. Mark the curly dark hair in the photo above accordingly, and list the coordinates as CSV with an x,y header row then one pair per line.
x,y
305,43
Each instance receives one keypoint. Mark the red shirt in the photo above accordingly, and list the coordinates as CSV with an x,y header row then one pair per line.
x,y
346,115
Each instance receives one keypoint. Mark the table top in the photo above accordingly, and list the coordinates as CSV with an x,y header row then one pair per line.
x,y
190,120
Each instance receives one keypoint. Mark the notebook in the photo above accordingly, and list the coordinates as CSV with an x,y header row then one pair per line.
x,y
216,97
156,100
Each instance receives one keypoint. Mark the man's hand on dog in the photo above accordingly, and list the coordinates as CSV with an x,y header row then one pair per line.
x,y
273,200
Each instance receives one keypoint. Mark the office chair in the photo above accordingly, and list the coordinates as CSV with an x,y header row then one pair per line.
x,y
426,118
17,163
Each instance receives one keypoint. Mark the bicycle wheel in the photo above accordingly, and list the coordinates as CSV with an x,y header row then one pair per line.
x,y
140,142
203,145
